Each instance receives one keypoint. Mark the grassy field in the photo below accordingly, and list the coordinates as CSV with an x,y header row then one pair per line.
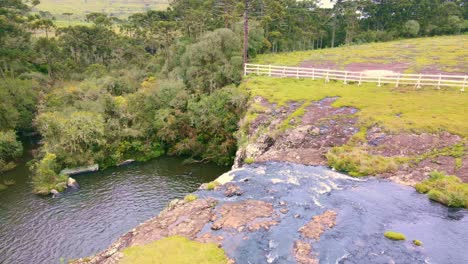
x,y
79,8
396,109
447,54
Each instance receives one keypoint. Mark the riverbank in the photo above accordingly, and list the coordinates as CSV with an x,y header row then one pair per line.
x,y
278,212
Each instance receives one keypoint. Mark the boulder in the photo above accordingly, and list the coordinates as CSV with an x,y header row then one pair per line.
x,y
126,162
54,193
72,183
80,170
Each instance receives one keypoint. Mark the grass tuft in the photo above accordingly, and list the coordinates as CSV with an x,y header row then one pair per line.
x,y
358,162
190,197
394,235
174,249
249,160
212,185
417,243
448,190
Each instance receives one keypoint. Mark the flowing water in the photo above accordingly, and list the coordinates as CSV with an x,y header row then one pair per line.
x,y
365,208
36,230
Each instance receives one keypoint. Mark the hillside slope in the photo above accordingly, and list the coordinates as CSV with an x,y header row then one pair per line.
x,y
399,133
118,8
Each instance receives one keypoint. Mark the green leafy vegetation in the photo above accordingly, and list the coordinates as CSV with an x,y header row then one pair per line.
x,y
190,197
174,249
46,177
10,150
448,190
394,235
3,187
358,162
249,160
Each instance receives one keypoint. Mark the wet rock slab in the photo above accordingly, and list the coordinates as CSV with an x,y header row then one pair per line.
x,y
290,213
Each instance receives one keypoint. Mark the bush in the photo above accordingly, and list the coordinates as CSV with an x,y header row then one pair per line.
x,y
394,235
448,190
174,249
190,197
411,28
46,177
10,150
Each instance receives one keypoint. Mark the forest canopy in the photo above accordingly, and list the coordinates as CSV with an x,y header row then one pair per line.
x,y
164,82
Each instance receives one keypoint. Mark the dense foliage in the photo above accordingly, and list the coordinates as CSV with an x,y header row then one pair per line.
x,y
165,81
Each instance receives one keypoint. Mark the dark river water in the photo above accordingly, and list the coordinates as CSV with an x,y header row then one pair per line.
x,y
35,230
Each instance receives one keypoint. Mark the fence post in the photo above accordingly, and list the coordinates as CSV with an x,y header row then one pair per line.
x,y
440,79
360,79
245,69
284,72
418,84
258,69
398,81
464,84
379,84
313,73
327,79
346,78
269,70
297,72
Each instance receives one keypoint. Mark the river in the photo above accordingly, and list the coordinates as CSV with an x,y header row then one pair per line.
x,y
35,229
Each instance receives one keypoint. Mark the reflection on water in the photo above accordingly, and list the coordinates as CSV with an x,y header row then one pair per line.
x,y
36,229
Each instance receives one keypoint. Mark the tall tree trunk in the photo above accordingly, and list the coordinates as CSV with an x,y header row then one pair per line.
x,y
246,31
333,33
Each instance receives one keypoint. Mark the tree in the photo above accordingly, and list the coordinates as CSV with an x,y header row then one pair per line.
x,y
411,28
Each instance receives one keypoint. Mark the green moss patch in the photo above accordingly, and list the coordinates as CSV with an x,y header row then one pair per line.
x,y
190,197
448,190
212,185
417,243
176,250
249,160
394,235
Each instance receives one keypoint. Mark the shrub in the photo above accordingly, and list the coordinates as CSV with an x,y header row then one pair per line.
x,y
190,197
448,190
411,28
394,235
10,150
45,176
174,249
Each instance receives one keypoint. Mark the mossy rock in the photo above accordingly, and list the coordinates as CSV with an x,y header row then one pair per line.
x,y
249,160
417,243
212,185
190,197
174,249
394,235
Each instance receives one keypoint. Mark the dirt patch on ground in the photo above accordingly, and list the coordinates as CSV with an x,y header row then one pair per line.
x,y
180,218
250,214
324,64
363,66
406,144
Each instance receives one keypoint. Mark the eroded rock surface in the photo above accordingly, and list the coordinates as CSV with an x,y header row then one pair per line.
x,y
250,214
319,224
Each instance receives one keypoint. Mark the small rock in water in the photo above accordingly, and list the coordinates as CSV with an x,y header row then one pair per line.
x,y
54,193
72,183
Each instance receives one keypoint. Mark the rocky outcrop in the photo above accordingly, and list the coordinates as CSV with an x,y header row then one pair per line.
x,y
249,214
80,170
310,137
180,218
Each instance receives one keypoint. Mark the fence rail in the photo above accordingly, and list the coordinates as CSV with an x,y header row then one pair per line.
x,y
417,80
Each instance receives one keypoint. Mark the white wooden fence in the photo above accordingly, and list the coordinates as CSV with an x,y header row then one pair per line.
x,y
417,80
